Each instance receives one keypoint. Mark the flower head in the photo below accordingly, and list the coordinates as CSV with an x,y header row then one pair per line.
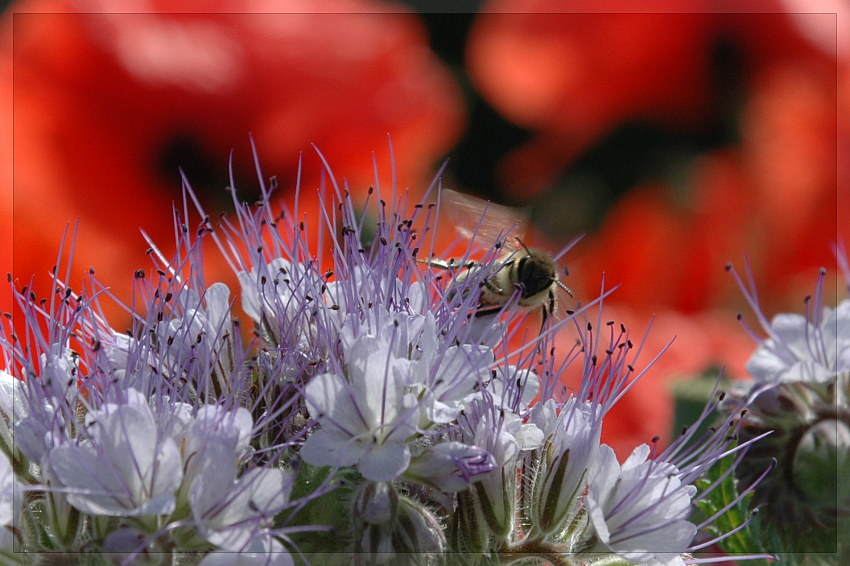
x,y
374,408
366,416
640,510
124,466
799,391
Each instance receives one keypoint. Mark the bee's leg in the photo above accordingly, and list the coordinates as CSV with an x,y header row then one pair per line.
x,y
487,310
548,310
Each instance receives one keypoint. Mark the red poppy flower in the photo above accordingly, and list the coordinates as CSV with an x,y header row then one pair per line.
x,y
571,75
572,71
772,198
109,105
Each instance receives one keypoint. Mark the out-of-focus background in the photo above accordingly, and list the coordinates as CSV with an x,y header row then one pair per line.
x,y
678,137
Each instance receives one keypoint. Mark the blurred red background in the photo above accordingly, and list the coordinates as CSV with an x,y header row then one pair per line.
x,y
678,139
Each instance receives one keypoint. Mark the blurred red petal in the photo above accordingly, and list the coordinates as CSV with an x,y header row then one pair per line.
x,y
581,73
108,105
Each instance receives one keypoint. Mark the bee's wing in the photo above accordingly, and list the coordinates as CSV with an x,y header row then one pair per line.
x,y
482,221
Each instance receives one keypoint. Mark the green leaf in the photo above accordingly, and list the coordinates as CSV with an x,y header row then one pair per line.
x,y
747,540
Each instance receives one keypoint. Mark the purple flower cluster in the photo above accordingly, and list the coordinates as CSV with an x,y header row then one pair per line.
x,y
370,412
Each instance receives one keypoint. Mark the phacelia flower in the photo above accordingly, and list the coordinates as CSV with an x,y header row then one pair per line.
x,y
366,417
124,466
640,510
800,391
372,408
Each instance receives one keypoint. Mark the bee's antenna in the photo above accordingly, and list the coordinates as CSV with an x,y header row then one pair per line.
x,y
518,239
565,288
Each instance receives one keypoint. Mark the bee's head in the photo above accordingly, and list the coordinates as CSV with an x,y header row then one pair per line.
x,y
536,274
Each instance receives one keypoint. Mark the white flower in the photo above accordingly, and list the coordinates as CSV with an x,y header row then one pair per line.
x,y
450,466
11,497
12,405
640,510
571,448
513,388
231,511
448,381
279,297
211,444
126,467
59,373
388,310
367,418
216,421
261,550
798,350
201,339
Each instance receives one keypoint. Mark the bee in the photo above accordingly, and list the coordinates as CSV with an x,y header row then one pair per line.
x,y
532,274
